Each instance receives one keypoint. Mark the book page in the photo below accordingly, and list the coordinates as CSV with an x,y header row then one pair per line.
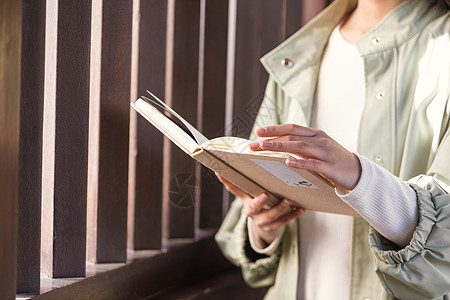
x,y
199,137
166,126
238,145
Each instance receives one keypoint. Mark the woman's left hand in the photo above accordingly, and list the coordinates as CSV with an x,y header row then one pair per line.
x,y
319,152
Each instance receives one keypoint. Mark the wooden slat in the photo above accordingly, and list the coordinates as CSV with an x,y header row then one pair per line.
x,y
311,8
212,114
259,28
293,18
30,161
65,138
273,28
255,28
149,277
10,46
247,69
145,228
182,81
109,118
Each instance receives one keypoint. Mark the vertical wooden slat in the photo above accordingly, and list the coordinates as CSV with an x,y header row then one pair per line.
x,y
273,31
294,11
259,28
311,8
133,120
65,138
247,74
10,49
212,114
30,161
146,203
247,67
229,87
255,27
109,127
181,94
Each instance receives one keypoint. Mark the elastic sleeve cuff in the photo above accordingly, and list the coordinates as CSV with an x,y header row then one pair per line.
x,y
258,245
419,270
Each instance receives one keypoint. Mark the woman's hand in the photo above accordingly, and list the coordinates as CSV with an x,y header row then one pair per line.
x,y
267,223
319,153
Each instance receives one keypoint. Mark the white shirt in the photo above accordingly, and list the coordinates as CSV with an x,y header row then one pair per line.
x,y
326,239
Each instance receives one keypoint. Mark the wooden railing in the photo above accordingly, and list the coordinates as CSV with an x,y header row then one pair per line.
x,y
82,178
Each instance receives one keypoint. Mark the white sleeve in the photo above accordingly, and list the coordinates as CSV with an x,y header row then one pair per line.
x,y
385,201
258,245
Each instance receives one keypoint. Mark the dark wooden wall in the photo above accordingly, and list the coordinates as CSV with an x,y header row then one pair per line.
x,y
82,177
65,138
109,131
10,66
145,232
30,155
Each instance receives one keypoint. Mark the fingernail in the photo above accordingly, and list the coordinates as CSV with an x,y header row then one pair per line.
x,y
286,203
254,146
266,145
291,162
261,131
263,197
300,211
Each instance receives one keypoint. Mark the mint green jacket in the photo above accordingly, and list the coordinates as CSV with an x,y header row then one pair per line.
x,y
404,128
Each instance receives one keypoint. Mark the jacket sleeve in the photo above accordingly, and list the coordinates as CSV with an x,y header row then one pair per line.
x,y
422,269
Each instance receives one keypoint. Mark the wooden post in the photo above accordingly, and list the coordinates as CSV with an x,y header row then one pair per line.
x,y
30,161
10,50
146,154
109,131
311,8
293,17
65,138
247,69
211,117
180,192
259,29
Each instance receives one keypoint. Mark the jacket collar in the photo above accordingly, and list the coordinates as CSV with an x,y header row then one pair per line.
x,y
304,48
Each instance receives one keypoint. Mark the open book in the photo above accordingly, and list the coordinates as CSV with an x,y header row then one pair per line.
x,y
253,171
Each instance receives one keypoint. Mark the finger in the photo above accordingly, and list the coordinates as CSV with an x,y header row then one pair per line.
x,y
268,216
296,147
283,220
255,146
254,206
238,192
307,164
320,140
286,129
296,144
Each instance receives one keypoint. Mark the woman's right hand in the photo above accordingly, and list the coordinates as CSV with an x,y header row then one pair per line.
x,y
268,223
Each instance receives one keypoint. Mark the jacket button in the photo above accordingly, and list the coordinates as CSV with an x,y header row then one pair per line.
x,y
287,63
379,95
375,40
378,158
